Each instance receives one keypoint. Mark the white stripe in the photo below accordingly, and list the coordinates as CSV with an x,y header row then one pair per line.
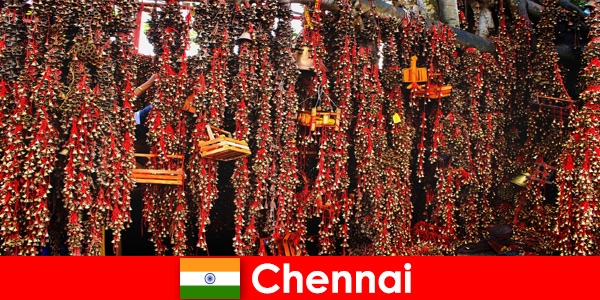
x,y
199,278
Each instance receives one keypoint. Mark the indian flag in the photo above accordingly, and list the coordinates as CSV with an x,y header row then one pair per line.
x,y
209,278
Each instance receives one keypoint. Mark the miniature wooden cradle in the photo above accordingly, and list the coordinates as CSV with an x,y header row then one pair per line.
x,y
541,173
414,75
222,147
288,245
316,118
187,106
171,177
553,105
434,91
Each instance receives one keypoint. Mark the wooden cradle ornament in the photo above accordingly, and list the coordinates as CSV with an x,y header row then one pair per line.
x,y
315,118
187,106
152,176
223,147
288,245
414,75
433,91
553,105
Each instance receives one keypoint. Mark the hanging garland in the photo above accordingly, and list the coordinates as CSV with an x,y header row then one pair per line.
x,y
399,187
66,75
578,175
289,215
344,68
245,84
212,26
165,207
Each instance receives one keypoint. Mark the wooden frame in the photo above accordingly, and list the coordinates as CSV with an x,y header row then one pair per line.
x,y
288,249
118,249
315,118
187,106
546,170
414,74
285,245
329,209
171,177
223,148
549,104
434,91
543,99
542,172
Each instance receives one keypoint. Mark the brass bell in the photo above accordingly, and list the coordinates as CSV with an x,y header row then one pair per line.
x,y
244,37
591,4
63,152
521,179
303,59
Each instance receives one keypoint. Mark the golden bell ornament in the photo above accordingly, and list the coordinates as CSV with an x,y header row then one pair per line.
x,y
591,4
521,179
63,152
303,59
244,37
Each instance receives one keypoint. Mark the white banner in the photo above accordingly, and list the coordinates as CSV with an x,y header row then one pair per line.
x,y
209,278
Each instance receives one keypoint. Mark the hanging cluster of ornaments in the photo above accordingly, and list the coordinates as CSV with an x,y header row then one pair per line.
x,y
333,135
578,176
72,113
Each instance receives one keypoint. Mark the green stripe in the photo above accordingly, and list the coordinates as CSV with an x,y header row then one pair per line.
x,y
209,292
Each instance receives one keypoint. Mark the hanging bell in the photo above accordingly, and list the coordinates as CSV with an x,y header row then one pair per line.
x,y
244,37
303,59
590,4
521,179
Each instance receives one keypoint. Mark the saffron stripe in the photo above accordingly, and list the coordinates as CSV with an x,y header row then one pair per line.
x,y
209,292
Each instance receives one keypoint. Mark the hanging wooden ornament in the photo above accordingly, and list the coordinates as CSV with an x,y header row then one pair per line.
x,y
317,118
433,89
223,147
414,75
288,245
558,107
170,177
187,106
